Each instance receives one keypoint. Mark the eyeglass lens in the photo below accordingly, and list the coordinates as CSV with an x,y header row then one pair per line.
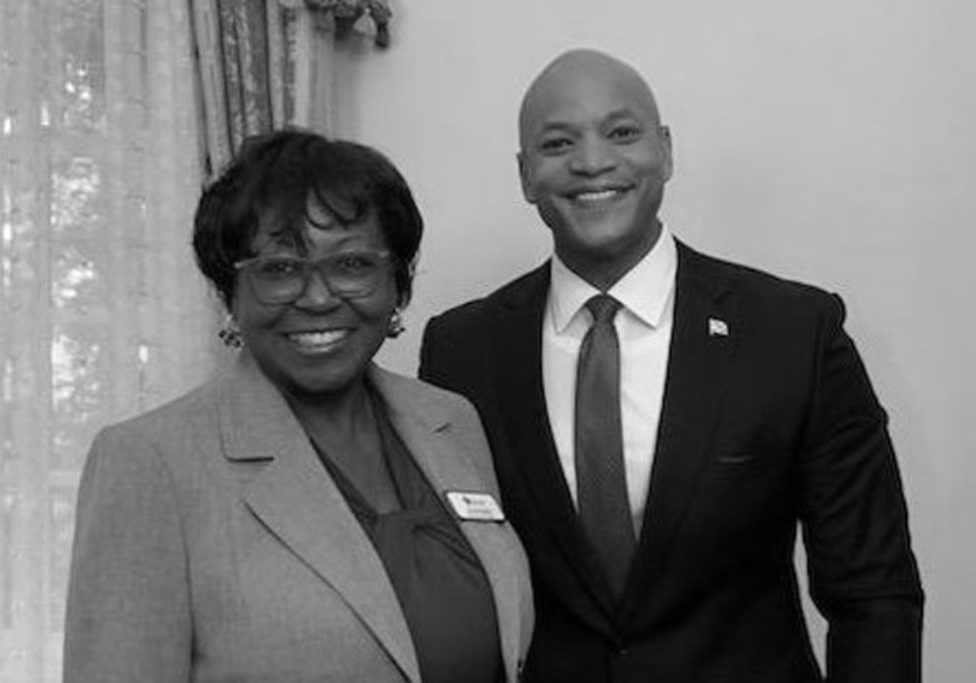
x,y
282,279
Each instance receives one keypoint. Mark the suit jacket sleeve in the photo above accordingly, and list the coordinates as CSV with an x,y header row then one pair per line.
x,y
447,361
128,613
863,576
434,355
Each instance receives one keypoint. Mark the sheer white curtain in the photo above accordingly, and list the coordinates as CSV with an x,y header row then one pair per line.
x,y
102,314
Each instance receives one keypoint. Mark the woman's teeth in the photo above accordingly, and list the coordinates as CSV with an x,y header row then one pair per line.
x,y
316,340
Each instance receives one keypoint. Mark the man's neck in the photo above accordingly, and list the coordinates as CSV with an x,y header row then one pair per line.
x,y
604,273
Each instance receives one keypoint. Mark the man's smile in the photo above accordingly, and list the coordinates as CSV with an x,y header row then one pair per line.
x,y
594,196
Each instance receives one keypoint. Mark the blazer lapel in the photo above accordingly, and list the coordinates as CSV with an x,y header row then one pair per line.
x,y
517,369
297,500
425,427
703,341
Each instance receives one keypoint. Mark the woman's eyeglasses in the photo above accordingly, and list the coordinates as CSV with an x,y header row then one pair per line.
x,y
280,279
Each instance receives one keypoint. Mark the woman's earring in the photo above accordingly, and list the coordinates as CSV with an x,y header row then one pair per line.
x,y
230,334
395,327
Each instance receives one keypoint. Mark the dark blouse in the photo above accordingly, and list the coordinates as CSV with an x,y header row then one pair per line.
x,y
441,585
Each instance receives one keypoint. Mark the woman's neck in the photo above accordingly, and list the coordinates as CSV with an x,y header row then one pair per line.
x,y
334,416
346,432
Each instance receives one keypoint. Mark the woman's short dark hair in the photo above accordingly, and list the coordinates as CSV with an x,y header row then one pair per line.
x,y
273,178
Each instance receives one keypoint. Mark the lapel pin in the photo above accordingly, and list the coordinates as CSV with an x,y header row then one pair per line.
x,y
717,328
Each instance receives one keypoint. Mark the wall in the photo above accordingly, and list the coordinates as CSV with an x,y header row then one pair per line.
x,y
831,142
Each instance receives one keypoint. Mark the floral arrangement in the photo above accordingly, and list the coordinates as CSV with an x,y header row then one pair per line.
x,y
345,14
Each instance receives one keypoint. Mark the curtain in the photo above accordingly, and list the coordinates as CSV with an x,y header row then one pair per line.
x,y
102,314
262,65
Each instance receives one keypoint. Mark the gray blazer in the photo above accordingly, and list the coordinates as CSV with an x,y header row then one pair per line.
x,y
211,545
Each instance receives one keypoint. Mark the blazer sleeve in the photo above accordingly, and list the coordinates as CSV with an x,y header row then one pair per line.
x,y
863,575
128,612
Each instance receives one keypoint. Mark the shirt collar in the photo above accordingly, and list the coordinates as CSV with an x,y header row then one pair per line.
x,y
644,290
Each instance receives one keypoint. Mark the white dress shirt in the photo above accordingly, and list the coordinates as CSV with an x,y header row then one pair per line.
x,y
643,327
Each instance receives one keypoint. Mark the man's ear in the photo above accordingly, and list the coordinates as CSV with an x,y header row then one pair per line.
x,y
523,167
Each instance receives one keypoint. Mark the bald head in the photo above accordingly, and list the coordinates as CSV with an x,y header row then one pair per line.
x,y
593,159
570,74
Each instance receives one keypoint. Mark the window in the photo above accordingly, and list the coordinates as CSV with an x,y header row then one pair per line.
x,y
102,313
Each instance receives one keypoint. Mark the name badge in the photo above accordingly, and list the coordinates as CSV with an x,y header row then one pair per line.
x,y
475,507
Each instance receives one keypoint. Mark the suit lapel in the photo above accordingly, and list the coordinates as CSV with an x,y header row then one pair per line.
x,y
295,498
702,344
517,370
424,425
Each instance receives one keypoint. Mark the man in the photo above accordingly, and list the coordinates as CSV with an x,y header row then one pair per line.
x,y
657,449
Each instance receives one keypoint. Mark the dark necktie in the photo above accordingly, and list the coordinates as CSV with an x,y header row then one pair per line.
x,y
601,482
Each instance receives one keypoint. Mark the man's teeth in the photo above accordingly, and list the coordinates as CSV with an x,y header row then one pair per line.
x,y
598,196
317,339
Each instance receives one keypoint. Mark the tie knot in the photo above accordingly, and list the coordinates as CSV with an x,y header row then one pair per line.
x,y
603,307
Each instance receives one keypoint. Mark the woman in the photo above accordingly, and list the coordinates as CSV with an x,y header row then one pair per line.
x,y
308,516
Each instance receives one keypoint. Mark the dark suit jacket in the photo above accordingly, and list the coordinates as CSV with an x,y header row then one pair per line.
x,y
771,424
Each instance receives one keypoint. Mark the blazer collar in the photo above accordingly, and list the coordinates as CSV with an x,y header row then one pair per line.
x,y
703,343
293,494
517,369
422,418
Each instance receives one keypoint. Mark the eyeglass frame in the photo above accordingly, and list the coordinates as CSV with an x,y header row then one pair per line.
x,y
308,266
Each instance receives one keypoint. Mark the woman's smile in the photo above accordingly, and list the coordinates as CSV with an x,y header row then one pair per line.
x,y
316,342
